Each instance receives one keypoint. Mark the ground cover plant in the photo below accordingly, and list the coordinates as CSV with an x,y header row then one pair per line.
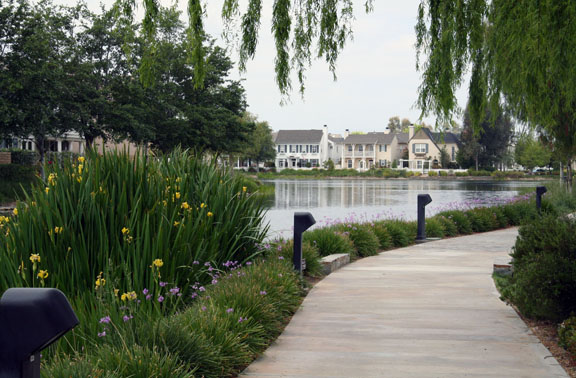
x,y
111,231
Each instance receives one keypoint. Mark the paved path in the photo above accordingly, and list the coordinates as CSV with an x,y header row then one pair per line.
x,y
429,310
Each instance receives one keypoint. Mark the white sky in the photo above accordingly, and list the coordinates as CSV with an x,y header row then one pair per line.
x,y
377,77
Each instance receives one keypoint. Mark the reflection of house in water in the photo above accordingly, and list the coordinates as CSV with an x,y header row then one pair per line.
x,y
333,193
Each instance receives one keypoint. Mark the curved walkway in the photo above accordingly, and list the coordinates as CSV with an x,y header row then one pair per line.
x,y
429,310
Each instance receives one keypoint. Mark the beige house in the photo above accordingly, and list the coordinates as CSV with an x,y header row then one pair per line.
x,y
425,146
371,150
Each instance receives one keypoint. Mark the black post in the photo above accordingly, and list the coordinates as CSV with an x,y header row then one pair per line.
x,y
30,320
423,200
302,222
540,190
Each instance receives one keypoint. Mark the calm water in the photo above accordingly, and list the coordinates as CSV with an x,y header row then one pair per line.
x,y
357,199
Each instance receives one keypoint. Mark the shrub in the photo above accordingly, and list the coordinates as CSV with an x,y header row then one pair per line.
x,y
519,212
24,157
461,174
443,173
434,228
432,173
17,172
482,219
383,235
398,232
448,226
111,217
544,255
365,242
285,248
459,219
567,335
329,241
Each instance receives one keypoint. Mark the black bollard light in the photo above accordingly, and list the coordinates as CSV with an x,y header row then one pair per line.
x,y
540,190
423,200
302,222
30,320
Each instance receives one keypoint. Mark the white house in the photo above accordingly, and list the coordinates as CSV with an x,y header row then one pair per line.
x,y
301,149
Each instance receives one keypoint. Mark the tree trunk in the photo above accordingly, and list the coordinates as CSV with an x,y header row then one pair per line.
x,y
39,142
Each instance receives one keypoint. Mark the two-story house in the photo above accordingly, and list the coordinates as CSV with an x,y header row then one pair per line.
x,y
300,149
370,150
425,146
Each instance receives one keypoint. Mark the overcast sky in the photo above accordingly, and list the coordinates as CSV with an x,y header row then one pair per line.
x,y
377,77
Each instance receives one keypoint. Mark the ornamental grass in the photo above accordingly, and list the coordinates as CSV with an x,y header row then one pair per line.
x,y
124,233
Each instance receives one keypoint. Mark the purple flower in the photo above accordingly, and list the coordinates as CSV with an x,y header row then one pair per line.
x,y
145,291
279,248
230,310
105,320
102,334
160,299
201,288
174,290
203,308
194,295
263,292
210,269
248,263
148,297
207,263
126,318
281,258
241,319
195,262
279,274
214,282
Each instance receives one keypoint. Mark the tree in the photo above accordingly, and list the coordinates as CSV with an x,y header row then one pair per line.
x,y
521,54
261,145
531,153
394,124
487,146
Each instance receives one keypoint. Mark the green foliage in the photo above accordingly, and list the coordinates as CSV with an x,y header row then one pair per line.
x,y
329,241
398,233
544,255
23,157
112,216
482,219
365,241
448,226
434,228
567,335
519,212
14,180
432,174
285,249
461,174
383,235
443,173
218,335
459,219
531,153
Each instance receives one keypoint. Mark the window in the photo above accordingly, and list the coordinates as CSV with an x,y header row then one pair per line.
x,y
453,153
369,147
65,145
292,149
420,148
314,149
419,164
361,148
314,162
349,148
349,163
361,164
382,148
383,163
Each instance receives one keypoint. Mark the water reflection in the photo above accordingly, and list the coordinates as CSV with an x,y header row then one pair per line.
x,y
337,198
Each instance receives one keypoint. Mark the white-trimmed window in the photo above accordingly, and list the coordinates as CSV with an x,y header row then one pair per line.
x,y
382,148
314,149
420,148
419,164
349,147
361,147
370,147
349,163
383,163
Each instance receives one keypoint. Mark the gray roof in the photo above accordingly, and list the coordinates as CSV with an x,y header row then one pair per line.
x,y
442,137
298,136
335,139
402,138
373,137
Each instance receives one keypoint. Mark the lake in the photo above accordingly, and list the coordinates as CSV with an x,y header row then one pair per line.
x,y
367,199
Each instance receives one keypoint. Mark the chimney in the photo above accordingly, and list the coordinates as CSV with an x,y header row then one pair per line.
x,y
325,130
410,131
387,130
346,133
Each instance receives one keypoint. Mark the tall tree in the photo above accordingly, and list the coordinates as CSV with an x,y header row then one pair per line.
x,y
487,146
531,152
394,124
260,146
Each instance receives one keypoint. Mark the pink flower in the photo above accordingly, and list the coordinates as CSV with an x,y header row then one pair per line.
x,y
105,320
160,299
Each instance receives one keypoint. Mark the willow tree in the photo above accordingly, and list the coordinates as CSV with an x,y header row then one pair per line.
x,y
521,55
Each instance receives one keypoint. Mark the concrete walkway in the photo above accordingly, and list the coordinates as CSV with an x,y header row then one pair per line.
x,y
429,310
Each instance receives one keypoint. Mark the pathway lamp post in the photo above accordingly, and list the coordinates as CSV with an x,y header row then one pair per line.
x,y
302,222
30,320
540,190
423,200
